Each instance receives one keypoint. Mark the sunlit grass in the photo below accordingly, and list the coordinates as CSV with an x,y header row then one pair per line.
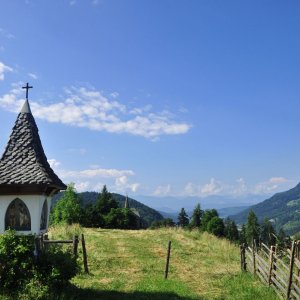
x,y
201,266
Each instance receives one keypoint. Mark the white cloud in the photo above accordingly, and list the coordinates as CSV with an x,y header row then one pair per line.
x,y
82,186
278,180
33,76
95,178
269,186
6,34
162,190
4,68
114,95
54,164
88,108
237,189
72,2
214,187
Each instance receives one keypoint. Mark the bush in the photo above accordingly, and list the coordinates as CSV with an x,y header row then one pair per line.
x,y
21,271
16,259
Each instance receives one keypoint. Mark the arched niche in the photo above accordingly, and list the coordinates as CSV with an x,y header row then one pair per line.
x,y
44,216
17,216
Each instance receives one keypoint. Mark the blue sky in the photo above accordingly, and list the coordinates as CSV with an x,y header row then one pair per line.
x,y
158,98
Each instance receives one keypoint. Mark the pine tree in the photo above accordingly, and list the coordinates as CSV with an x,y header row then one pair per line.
x,y
105,202
243,235
267,233
231,232
196,216
183,219
252,228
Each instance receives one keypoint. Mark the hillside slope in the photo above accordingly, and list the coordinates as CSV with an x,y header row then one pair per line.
x,y
147,213
129,265
283,208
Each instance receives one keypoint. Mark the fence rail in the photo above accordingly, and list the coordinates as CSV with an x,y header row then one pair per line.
x,y
281,272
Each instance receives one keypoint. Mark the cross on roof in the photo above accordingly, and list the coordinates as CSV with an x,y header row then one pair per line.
x,y
27,87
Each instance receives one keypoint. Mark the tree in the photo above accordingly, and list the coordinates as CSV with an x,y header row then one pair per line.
x,y
183,219
196,217
267,233
207,216
216,226
231,232
91,217
105,202
67,210
281,239
252,228
243,235
121,218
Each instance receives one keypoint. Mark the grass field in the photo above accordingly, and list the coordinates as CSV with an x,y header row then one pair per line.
x,y
130,265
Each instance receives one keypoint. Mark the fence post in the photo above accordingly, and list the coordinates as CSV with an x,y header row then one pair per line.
x,y
272,250
243,257
167,260
290,276
75,245
85,264
253,254
45,245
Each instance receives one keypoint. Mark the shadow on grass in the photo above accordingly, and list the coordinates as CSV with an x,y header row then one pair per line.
x,y
74,293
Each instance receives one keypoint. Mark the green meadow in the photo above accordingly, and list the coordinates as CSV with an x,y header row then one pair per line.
x,y
129,264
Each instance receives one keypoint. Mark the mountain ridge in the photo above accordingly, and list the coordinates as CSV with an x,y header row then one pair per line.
x,y
282,208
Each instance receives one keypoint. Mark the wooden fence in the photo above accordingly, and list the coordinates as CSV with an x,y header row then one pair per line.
x,y
42,242
281,271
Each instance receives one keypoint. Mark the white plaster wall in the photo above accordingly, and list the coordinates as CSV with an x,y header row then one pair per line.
x,y
34,204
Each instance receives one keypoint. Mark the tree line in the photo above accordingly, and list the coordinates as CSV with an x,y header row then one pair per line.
x,y
104,213
209,220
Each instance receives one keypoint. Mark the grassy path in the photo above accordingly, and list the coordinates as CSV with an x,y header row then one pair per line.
x,y
130,265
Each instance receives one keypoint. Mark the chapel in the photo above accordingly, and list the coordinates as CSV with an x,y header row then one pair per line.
x,y
27,182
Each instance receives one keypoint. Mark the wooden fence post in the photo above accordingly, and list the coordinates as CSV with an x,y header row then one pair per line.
x,y
243,257
272,250
75,245
85,264
290,276
167,260
45,245
253,254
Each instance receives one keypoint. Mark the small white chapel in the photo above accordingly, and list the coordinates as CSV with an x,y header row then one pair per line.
x,y
27,182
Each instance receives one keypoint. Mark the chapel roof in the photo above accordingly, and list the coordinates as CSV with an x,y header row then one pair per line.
x,y
24,162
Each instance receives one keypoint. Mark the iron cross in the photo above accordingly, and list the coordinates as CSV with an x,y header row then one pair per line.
x,y
27,87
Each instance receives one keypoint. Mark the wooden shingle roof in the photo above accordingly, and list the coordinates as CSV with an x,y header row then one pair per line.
x,y
24,162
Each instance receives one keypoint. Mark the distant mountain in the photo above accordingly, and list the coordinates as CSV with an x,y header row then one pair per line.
x,y
283,208
227,211
171,204
147,213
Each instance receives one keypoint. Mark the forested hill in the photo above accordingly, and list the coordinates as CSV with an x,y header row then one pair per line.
x,y
283,208
147,213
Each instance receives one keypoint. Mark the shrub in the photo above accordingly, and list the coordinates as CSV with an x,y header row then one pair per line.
x,y
16,259
21,271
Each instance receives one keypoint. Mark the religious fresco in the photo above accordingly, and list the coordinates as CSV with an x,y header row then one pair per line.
x,y
17,216
44,216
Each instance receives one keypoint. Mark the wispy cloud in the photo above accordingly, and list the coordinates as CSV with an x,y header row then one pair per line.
x,y
33,76
237,189
6,34
163,190
93,179
88,108
4,68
